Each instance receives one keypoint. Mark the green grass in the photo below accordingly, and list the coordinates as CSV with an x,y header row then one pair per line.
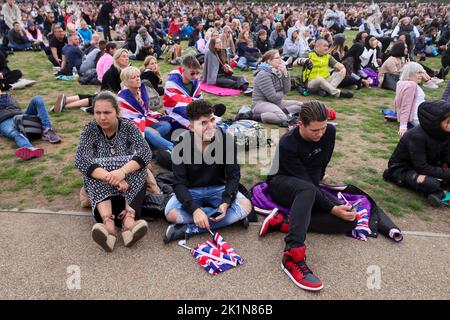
x,y
364,142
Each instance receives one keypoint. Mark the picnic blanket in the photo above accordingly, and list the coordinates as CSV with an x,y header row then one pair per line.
x,y
218,91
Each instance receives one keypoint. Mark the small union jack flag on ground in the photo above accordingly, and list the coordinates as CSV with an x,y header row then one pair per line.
x,y
216,256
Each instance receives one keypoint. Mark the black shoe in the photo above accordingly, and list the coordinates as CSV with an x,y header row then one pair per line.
x,y
284,124
175,232
346,94
434,199
444,72
322,93
244,223
252,217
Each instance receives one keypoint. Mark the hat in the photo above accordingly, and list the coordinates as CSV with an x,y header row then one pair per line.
x,y
30,23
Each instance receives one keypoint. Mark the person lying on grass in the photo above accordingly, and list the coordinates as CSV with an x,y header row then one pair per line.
x,y
9,109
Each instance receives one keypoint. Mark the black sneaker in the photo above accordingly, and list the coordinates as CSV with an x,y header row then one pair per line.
x,y
244,223
175,232
346,94
322,93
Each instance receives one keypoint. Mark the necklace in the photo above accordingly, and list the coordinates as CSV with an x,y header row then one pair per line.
x,y
110,143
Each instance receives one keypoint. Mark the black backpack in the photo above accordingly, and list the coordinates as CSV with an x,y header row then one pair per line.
x,y
30,126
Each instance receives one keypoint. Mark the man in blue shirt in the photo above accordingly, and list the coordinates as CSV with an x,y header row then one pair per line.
x,y
72,56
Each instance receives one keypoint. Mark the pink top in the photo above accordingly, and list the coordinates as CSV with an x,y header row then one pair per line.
x,y
104,63
405,101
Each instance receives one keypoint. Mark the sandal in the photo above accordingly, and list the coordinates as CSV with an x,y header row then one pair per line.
x,y
131,235
101,235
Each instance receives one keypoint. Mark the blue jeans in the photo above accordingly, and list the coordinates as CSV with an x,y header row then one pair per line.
x,y
157,141
210,198
242,62
36,107
19,47
8,130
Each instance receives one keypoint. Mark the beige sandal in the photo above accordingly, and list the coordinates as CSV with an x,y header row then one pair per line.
x,y
101,235
131,235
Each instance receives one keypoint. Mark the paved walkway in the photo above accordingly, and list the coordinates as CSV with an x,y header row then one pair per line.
x,y
38,250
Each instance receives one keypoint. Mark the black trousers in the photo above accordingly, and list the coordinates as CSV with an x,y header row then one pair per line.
x,y
233,82
118,205
385,42
408,178
106,31
308,209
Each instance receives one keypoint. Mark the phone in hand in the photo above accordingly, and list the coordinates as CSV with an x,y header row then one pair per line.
x,y
217,216
356,205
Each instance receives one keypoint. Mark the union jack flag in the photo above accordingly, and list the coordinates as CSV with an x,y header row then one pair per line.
x,y
176,98
131,109
362,230
216,256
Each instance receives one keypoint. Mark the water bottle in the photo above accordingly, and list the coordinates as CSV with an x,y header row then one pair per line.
x,y
75,73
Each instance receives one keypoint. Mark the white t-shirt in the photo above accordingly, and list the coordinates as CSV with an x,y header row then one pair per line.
x,y
420,98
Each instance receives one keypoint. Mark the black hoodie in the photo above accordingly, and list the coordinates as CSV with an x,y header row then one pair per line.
x,y
426,147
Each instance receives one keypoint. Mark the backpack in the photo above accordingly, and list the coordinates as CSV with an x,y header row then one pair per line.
x,y
30,126
248,133
154,100
89,78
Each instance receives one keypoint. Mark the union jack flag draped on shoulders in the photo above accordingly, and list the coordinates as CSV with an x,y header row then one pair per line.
x,y
216,256
176,97
139,113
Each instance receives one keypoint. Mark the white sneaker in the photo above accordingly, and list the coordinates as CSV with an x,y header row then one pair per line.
x,y
430,85
437,80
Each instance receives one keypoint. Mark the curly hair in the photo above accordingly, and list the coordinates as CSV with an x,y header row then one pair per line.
x,y
199,108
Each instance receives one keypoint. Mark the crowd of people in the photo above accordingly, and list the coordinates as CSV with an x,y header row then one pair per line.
x,y
302,47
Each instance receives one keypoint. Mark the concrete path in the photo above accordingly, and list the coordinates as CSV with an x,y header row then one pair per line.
x,y
41,256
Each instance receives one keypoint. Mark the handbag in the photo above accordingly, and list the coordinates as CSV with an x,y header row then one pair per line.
x,y
227,69
390,81
154,205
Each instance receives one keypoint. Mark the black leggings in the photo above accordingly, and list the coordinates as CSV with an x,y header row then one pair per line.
x,y
118,205
87,96
308,209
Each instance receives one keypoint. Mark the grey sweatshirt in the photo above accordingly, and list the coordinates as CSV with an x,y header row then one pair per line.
x,y
268,87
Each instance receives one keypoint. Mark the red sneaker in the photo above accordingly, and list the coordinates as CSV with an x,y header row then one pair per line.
x,y
28,153
275,221
294,264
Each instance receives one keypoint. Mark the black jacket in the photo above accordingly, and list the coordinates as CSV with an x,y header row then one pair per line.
x,y
424,148
305,160
263,46
188,174
194,37
8,107
111,80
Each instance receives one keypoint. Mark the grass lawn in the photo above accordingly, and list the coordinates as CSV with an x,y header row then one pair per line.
x,y
363,147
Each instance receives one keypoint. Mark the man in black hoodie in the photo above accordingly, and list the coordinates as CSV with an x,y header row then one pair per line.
x,y
304,154
420,161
